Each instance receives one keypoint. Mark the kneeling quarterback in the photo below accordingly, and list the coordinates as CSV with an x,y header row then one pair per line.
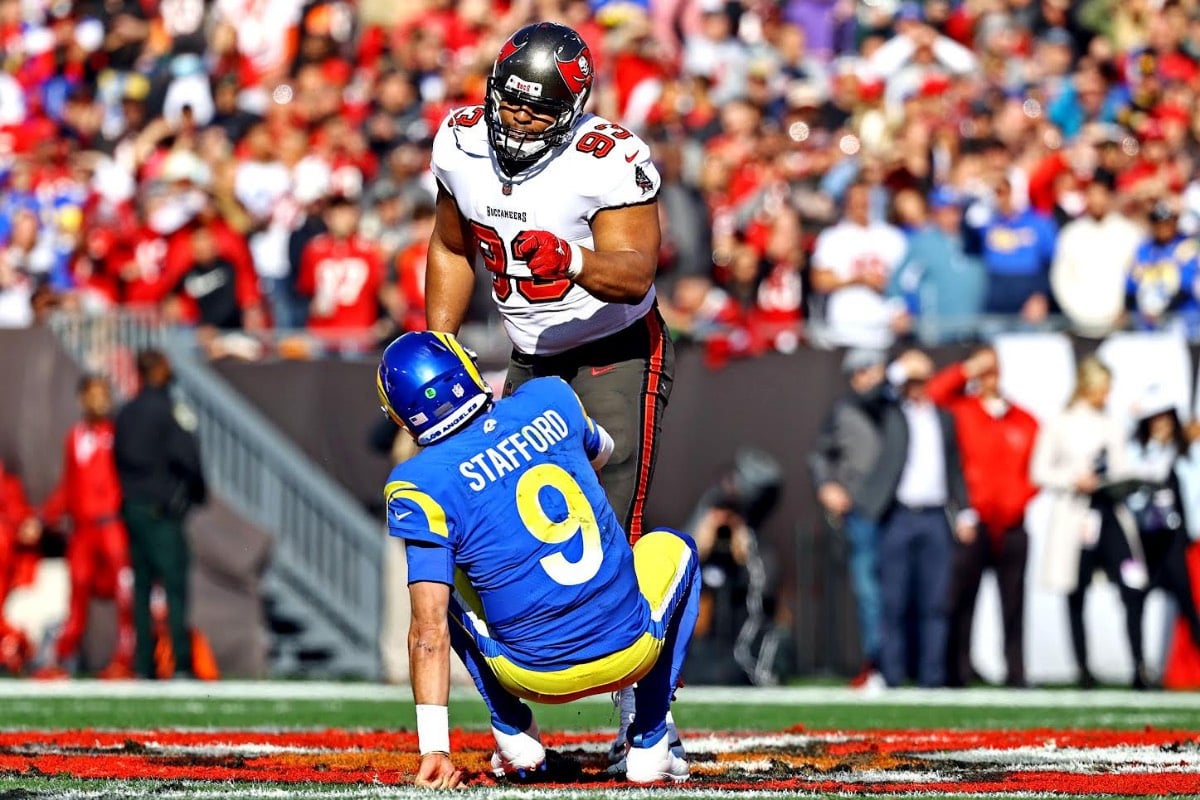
x,y
517,561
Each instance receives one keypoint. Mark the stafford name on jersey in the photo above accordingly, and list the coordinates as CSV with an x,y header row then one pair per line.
x,y
510,453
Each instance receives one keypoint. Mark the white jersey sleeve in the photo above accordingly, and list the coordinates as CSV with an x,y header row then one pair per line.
x,y
449,146
601,166
622,173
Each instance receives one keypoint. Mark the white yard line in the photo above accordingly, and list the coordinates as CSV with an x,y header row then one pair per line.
x,y
691,695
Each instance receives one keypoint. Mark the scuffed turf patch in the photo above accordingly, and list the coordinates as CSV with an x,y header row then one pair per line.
x,y
1033,762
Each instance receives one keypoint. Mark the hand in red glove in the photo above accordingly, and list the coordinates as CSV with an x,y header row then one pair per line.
x,y
549,257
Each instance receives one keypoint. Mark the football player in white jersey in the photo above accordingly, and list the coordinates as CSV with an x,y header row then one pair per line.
x,y
560,207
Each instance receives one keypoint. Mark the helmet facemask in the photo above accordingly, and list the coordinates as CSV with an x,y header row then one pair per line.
x,y
515,148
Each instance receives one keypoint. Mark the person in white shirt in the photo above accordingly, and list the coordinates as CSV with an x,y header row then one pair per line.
x,y
1092,260
1078,453
918,495
852,265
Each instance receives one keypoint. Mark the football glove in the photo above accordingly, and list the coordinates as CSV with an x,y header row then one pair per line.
x,y
549,257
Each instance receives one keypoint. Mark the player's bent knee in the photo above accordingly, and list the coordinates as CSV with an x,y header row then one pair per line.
x,y
661,560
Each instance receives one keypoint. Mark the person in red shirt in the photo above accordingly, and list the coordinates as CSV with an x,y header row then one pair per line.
x,y
996,440
98,551
342,274
19,532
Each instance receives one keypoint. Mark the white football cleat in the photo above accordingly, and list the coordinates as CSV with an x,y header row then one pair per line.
x,y
518,753
655,763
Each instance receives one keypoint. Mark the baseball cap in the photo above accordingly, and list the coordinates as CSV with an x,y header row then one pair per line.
x,y
860,358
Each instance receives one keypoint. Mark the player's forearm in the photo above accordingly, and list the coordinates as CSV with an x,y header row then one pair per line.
x,y
623,276
429,664
449,281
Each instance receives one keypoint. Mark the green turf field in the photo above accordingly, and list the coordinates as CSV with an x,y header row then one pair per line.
x,y
42,709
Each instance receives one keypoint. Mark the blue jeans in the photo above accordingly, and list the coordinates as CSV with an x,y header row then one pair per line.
x,y
862,535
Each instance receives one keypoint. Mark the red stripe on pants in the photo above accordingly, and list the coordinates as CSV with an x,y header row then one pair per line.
x,y
645,449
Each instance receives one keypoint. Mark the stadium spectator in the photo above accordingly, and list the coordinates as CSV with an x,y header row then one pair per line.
x,y
1165,271
1092,261
1080,455
20,530
917,496
851,266
996,439
758,109
213,292
1158,505
89,493
942,284
715,53
844,454
1018,245
16,291
158,465
342,274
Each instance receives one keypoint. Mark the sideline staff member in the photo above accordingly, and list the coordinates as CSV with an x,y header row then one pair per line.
x,y
158,464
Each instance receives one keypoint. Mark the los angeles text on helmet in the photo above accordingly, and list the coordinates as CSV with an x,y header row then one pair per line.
x,y
507,456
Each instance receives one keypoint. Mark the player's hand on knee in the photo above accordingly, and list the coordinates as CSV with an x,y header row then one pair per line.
x,y
438,772
548,256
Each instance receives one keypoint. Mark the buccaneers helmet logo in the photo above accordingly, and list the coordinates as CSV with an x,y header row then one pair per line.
x,y
577,72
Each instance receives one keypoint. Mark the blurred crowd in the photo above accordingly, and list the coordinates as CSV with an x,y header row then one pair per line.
x,y
928,474
835,172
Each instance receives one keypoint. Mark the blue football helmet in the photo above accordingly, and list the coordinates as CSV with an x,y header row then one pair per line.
x,y
430,384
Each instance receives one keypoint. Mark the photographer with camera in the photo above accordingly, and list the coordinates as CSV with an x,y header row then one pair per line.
x,y
734,629
1080,460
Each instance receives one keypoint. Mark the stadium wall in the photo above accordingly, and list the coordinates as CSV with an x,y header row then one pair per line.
x,y
37,407
776,403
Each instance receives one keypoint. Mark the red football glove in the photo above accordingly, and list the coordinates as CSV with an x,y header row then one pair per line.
x,y
548,256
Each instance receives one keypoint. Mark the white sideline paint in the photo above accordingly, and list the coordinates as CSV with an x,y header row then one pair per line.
x,y
690,695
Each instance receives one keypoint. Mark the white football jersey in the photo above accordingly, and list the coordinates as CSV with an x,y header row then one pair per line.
x,y
602,166
858,315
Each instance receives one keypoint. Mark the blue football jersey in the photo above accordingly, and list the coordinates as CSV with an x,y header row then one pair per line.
x,y
517,503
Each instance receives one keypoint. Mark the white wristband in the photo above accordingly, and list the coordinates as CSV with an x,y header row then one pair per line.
x,y
433,729
576,266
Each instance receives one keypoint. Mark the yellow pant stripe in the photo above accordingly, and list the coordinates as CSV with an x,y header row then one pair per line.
x,y
660,561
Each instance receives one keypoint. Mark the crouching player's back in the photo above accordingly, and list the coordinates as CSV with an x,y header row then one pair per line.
x,y
527,524
517,560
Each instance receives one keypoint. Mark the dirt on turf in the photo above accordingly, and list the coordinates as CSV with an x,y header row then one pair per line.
x,y
798,761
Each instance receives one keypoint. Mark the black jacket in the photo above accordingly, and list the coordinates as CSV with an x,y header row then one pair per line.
x,y
158,462
877,495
